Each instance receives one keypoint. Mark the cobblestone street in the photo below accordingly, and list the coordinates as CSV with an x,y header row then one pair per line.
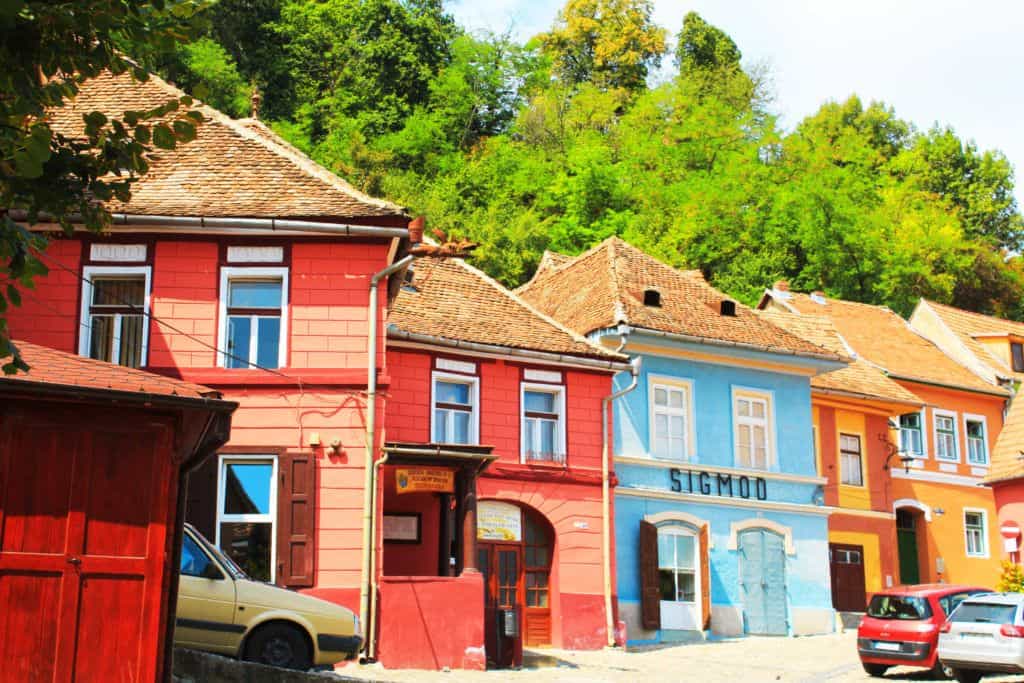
x,y
752,660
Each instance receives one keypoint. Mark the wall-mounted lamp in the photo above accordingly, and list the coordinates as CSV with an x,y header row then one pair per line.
x,y
314,440
938,511
905,459
336,445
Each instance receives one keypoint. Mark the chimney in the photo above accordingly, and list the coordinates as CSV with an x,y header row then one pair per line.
x,y
256,100
416,226
781,286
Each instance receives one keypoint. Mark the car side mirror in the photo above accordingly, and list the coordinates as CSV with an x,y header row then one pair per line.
x,y
210,571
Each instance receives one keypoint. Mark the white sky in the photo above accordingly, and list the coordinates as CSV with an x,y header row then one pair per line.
x,y
945,61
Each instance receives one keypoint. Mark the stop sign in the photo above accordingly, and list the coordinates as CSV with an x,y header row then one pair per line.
x,y
1009,530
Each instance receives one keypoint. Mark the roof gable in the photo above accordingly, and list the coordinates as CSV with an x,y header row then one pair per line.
x,y
453,300
969,327
885,339
606,286
232,168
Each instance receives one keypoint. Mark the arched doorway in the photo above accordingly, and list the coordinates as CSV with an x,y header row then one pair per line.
x,y
515,547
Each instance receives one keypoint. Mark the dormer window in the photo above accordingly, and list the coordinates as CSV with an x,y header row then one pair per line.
x,y
1017,354
652,297
727,308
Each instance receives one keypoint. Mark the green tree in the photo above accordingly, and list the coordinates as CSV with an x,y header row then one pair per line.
x,y
702,46
610,43
209,73
47,50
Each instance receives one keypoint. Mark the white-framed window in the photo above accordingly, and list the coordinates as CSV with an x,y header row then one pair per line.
x,y
976,429
672,428
945,436
754,433
851,466
543,423
677,564
976,532
247,512
912,435
455,414
115,305
253,321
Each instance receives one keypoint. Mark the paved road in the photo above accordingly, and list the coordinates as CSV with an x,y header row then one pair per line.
x,y
818,659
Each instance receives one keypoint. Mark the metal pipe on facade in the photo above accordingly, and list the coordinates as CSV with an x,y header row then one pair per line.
x,y
371,643
606,533
367,580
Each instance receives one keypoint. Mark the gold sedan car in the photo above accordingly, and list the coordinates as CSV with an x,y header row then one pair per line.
x,y
222,610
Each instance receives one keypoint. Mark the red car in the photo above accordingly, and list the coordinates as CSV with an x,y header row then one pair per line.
x,y
901,626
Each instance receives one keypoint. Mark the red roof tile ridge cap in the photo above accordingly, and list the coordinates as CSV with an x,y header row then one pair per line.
x,y
546,318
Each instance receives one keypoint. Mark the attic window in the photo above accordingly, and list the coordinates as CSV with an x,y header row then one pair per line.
x,y
652,297
727,307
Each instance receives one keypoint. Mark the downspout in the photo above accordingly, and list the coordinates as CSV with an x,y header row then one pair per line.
x,y
367,580
371,643
606,533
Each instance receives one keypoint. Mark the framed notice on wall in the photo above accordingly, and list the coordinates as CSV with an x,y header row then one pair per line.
x,y
401,527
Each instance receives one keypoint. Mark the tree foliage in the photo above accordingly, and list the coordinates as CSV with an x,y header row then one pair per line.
x,y
47,50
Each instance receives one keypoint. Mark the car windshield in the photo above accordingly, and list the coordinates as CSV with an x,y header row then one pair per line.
x,y
903,607
984,612
229,564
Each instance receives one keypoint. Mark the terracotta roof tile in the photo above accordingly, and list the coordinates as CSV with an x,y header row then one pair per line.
x,y
451,299
1008,454
49,366
968,326
859,377
605,286
882,337
232,168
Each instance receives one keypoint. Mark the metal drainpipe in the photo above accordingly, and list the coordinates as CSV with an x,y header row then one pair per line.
x,y
606,550
371,644
369,483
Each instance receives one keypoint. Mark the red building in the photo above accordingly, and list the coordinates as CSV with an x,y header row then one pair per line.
x,y
478,374
242,265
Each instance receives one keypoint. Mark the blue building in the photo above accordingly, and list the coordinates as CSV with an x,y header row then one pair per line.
x,y
719,518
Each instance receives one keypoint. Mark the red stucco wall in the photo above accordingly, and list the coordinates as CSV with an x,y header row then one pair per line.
x,y
49,313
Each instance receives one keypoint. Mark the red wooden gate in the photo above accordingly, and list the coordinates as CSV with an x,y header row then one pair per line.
x,y
84,500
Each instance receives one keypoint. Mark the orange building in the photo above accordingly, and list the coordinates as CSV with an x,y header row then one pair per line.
x,y
855,453
946,523
994,349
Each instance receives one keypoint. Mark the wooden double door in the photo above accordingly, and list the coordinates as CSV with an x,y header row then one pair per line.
x,y
516,584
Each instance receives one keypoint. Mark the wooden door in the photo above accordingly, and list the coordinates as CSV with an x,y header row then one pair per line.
x,y
846,563
503,572
83,540
906,546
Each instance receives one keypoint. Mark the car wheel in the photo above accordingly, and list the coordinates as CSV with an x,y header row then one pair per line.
x,y
965,676
942,672
876,670
280,645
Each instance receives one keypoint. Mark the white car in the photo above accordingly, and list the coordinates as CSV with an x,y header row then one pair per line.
x,y
984,635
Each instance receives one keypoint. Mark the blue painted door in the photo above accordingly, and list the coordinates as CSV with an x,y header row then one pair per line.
x,y
763,580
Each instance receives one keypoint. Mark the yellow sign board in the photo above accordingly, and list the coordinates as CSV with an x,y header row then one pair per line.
x,y
424,479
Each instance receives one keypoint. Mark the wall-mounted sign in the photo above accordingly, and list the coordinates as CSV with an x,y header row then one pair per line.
x,y
498,521
717,484
401,528
424,479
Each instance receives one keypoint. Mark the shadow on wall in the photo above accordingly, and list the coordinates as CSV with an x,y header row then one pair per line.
x,y
191,666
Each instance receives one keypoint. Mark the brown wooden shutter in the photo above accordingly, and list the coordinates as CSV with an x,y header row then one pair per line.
x,y
650,589
201,504
296,519
705,578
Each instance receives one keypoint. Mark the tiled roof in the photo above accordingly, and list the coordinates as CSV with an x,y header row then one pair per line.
x,y
882,337
52,367
605,286
1008,454
451,299
232,168
858,378
967,326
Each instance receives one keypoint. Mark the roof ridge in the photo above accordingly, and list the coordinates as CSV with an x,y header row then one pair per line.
x,y
972,314
520,301
618,309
